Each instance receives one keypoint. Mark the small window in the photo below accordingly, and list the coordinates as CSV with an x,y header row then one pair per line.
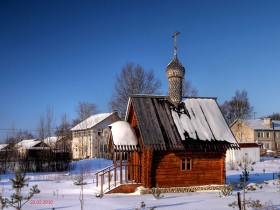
x,y
260,134
267,145
277,135
183,164
186,164
267,135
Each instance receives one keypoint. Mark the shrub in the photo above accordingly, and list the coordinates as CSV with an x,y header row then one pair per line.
x,y
157,193
226,190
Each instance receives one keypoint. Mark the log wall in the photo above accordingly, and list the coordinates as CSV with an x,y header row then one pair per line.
x,y
207,168
146,168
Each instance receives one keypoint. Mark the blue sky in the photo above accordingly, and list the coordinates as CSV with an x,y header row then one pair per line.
x,y
57,53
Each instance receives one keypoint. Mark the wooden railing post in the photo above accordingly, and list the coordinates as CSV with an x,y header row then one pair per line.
x,y
115,176
102,182
121,167
125,173
132,173
109,179
96,179
121,172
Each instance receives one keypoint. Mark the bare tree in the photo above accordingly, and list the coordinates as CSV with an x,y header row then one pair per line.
x,y
63,132
45,131
17,135
237,108
46,124
133,79
188,90
49,121
41,128
85,110
64,136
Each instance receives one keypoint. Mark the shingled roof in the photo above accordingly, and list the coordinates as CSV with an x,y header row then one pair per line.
x,y
197,124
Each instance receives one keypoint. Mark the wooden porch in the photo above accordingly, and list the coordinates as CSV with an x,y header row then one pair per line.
x,y
116,175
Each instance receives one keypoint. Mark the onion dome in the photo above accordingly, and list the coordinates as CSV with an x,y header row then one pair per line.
x,y
175,72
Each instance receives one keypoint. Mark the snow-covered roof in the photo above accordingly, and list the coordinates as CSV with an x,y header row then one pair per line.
x,y
258,124
2,146
123,134
91,121
197,123
51,140
26,144
202,120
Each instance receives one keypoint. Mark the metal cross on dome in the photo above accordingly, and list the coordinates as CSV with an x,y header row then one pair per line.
x,y
176,33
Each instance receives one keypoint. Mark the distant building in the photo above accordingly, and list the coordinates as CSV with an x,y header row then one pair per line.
x,y
3,147
91,135
265,132
251,151
59,143
60,147
31,148
6,156
5,151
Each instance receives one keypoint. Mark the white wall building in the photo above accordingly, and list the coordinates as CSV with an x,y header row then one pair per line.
x,y
89,138
251,150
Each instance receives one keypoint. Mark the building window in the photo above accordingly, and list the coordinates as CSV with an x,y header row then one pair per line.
x,y
186,164
276,135
267,145
268,135
260,134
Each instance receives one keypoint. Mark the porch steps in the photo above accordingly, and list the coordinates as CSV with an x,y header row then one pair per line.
x,y
125,188
115,179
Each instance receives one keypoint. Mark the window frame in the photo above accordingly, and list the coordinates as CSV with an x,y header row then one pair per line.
x,y
260,134
186,164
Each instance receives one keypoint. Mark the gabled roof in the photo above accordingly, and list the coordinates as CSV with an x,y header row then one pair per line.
x,y
197,124
27,144
258,124
51,140
2,146
91,121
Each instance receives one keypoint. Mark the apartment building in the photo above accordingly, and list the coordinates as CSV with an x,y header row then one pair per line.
x,y
265,132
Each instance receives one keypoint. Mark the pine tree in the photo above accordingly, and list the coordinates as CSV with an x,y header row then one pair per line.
x,y
17,200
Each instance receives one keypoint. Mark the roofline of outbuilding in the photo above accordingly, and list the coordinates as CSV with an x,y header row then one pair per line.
x,y
110,114
147,96
214,98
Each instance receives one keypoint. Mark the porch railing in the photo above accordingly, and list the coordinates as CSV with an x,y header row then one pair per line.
x,y
122,173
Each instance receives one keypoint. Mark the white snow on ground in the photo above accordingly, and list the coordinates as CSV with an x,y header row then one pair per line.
x,y
58,190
